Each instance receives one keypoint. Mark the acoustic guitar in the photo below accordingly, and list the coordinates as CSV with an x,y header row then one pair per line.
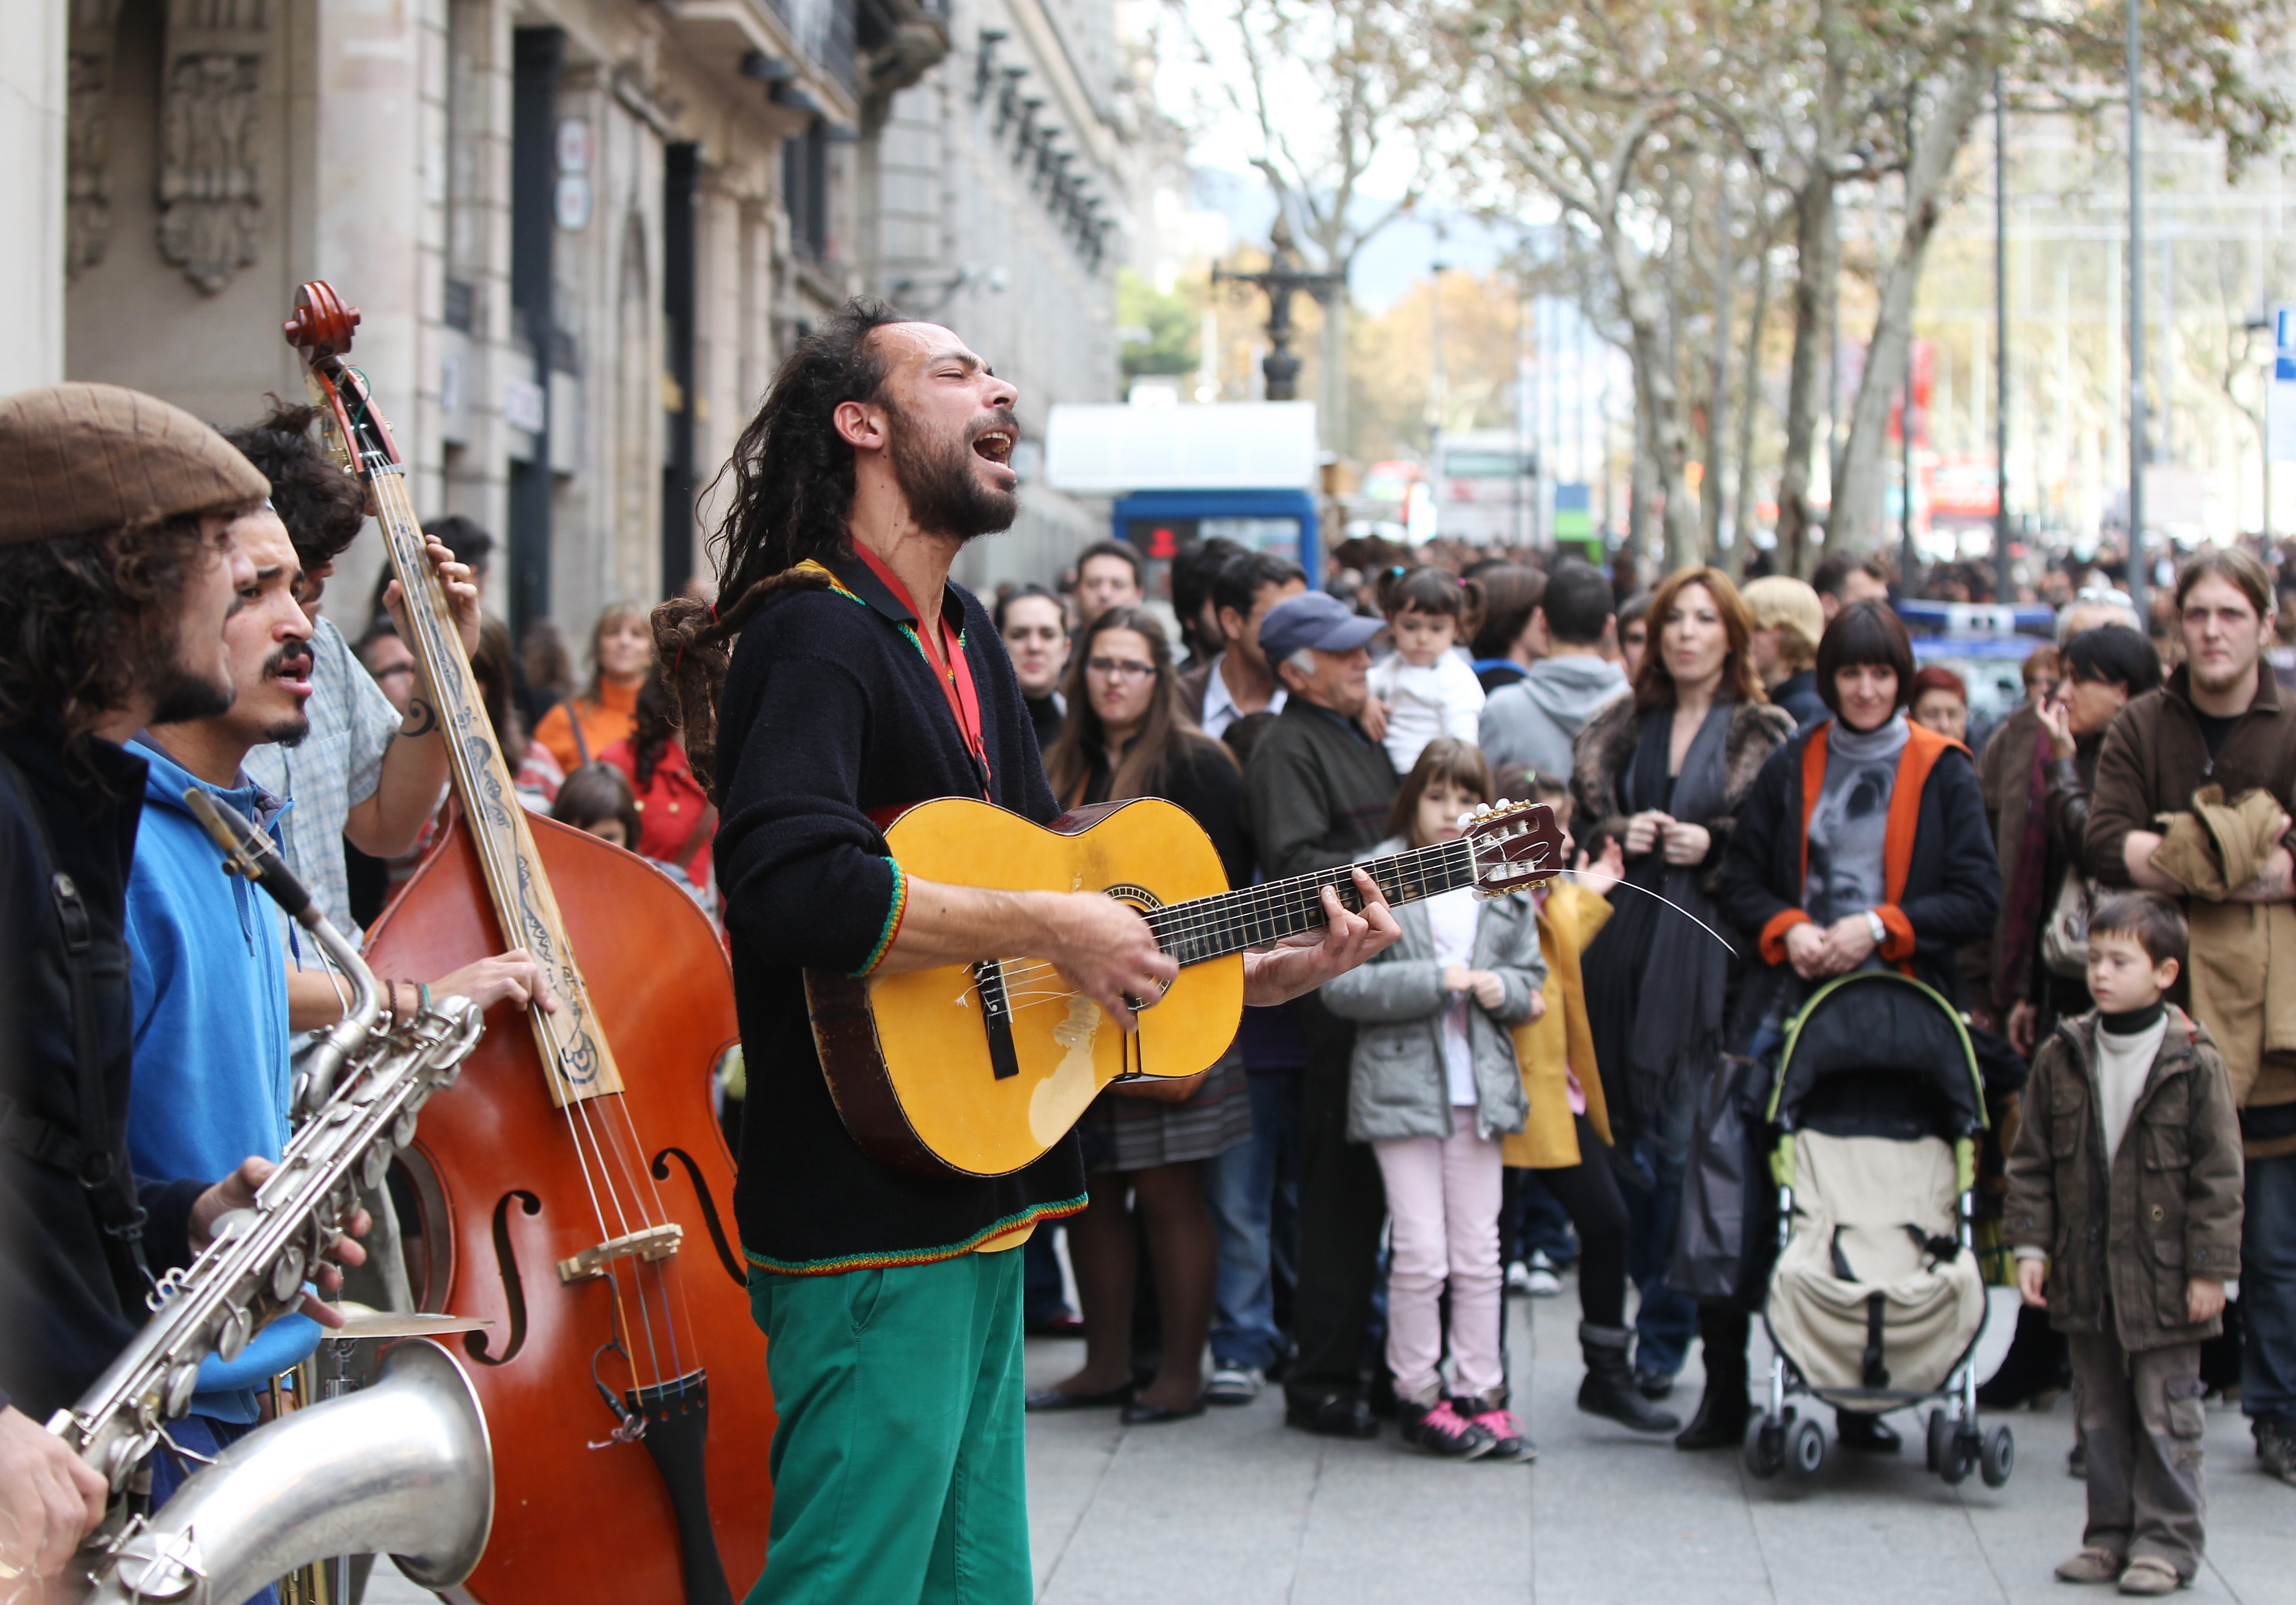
x,y
976,1071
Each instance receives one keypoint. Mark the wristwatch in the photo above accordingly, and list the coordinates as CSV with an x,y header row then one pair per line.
x,y
1873,923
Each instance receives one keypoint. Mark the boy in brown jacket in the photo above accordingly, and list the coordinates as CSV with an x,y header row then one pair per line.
x,y
2124,1213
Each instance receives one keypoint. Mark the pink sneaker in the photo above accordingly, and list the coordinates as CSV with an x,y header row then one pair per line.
x,y
1440,1429
1509,1441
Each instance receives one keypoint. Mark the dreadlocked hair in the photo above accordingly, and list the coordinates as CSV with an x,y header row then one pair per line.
x,y
793,495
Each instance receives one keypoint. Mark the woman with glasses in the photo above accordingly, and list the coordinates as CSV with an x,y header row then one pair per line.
x,y
1126,736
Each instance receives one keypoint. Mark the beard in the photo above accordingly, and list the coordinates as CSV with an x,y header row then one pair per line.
x,y
179,692
2217,685
288,729
937,477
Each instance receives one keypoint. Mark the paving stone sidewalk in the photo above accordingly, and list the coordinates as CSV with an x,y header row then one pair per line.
x,y
1232,1509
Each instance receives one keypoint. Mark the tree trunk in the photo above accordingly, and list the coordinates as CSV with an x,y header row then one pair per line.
x,y
1742,509
1817,241
1817,289
1718,371
1658,398
1856,523
1331,409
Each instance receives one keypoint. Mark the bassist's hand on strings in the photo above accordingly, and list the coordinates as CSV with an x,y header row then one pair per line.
x,y
237,1191
1301,964
462,596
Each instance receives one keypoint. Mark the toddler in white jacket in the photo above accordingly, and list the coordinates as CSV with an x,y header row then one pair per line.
x,y
1427,689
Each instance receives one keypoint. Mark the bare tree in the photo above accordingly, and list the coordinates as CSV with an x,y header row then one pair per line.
x,y
1329,89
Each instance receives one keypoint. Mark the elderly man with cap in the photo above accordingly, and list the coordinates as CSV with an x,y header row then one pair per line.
x,y
1317,792
119,564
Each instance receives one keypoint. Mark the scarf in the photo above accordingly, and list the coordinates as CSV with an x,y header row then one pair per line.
x,y
1676,1034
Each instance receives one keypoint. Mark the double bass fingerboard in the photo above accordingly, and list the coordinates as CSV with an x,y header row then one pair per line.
x,y
573,1051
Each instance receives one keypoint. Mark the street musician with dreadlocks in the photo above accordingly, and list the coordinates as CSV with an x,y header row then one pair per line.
x,y
860,681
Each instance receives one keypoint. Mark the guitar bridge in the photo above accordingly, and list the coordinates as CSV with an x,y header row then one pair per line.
x,y
996,1017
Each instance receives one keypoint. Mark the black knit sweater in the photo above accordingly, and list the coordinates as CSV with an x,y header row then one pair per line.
x,y
830,716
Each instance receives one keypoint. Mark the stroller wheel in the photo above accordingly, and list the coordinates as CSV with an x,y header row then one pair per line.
x,y
1960,1456
1765,1447
1999,1458
1940,1438
1805,1448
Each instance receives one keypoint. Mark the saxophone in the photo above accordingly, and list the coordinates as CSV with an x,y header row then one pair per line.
x,y
404,1466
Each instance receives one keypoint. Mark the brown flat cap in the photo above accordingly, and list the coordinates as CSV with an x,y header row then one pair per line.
x,y
76,459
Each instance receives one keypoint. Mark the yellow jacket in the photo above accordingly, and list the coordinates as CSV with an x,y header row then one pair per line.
x,y
1546,1047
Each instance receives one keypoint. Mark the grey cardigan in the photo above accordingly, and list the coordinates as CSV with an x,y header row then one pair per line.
x,y
1396,1086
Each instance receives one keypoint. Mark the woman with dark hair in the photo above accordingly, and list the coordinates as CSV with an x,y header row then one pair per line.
x,y
2101,669
1501,599
1126,736
1034,626
675,820
1863,844
1663,769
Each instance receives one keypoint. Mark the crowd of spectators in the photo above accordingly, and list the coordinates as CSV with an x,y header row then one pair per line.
x,y
1335,1207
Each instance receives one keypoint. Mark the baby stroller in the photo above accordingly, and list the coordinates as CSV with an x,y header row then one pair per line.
x,y
1876,1302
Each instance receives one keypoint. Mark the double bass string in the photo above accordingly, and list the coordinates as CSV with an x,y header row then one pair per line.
x,y
414,568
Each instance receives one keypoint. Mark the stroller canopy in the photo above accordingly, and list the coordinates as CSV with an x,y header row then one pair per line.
x,y
1878,1054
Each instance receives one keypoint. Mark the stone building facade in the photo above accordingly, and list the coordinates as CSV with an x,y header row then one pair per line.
x,y
581,233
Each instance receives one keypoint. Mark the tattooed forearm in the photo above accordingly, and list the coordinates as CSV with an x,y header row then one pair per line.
x,y
420,718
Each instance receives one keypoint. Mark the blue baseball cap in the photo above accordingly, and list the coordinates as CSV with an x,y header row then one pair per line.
x,y
1316,619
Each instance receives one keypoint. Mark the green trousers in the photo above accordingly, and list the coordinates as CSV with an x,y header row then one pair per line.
x,y
898,1472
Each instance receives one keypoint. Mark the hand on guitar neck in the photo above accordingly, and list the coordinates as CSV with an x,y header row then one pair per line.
x,y
1107,950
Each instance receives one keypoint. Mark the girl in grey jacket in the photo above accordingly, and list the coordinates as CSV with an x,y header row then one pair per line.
x,y
1433,1085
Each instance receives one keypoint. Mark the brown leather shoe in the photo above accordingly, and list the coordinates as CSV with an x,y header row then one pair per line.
x,y
2090,1566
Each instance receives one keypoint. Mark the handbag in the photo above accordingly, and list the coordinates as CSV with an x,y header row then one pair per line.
x,y
2064,935
1726,1233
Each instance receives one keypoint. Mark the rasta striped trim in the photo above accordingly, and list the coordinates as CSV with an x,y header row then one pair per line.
x,y
835,584
1030,1216
900,906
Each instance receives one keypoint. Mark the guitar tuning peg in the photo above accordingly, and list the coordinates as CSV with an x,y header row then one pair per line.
x,y
1465,820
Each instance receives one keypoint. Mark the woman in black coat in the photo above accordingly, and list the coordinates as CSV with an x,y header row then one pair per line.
x,y
1664,768
1862,845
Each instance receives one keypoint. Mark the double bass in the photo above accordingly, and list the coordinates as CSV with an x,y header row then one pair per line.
x,y
575,1189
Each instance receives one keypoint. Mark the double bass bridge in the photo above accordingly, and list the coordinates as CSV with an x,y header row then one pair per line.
x,y
653,1242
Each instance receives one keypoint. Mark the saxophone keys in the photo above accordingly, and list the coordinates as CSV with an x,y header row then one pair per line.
x,y
287,1275
238,1326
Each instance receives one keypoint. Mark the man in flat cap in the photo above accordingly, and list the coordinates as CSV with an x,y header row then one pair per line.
x,y
119,564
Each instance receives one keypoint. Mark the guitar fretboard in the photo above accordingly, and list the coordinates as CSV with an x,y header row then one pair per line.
x,y
1212,928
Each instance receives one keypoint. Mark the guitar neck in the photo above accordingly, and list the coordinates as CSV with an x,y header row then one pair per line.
x,y
573,1051
1214,927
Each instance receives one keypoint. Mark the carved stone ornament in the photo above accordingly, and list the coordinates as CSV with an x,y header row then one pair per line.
x,y
87,158
210,180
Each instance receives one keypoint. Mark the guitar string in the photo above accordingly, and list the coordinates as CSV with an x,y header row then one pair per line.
x,y
404,531
1273,900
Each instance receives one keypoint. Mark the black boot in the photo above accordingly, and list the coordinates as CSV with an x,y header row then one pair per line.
x,y
1723,1412
1609,1390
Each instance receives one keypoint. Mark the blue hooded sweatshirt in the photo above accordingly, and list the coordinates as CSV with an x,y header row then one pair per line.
x,y
211,1079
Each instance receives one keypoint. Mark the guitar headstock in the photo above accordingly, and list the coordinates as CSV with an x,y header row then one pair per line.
x,y
1516,845
322,329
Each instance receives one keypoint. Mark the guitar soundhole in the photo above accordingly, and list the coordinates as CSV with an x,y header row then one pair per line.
x,y
474,1343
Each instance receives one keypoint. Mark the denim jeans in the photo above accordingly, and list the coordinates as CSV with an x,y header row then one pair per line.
x,y
1253,1191
1044,1295
1532,1221
2268,1292
1665,1321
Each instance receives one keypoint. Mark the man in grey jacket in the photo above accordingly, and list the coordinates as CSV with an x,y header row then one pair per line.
x,y
1533,722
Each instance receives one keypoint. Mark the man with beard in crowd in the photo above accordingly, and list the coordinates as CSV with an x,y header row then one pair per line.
x,y
118,566
864,681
